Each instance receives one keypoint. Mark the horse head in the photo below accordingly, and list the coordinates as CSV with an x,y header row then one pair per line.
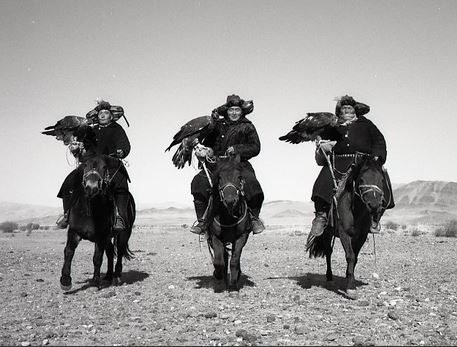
x,y
96,176
230,184
369,185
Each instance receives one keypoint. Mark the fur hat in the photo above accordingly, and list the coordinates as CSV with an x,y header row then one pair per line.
x,y
116,111
234,100
360,108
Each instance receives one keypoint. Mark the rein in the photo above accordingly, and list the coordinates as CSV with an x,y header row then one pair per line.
x,y
239,220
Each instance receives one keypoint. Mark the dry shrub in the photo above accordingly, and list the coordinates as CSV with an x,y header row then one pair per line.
x,y
392,225
449,229
8,227
416,232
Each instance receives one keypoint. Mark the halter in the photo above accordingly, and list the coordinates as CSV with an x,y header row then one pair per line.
x,y
367,188
239,193
104,181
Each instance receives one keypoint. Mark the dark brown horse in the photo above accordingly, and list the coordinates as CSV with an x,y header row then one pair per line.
x,y
231,224
360,201
91,218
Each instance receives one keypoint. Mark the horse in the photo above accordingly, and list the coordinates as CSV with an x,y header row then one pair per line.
x,y
360,202
231,223
91,217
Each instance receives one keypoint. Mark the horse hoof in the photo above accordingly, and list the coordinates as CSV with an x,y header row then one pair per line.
x,y
116,281
351,294
65,283
65,288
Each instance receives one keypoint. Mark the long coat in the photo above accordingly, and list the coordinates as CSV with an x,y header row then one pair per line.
x,y
243,136
111,138
359,136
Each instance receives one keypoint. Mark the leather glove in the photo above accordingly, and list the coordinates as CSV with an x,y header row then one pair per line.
x,y
326,145
230,151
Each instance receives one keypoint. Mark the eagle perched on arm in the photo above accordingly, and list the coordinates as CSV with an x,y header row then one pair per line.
x,y
67,123
310,127
191,132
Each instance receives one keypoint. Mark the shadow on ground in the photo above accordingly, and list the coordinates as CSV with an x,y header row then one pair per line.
x,y
219,285
319,280
129,277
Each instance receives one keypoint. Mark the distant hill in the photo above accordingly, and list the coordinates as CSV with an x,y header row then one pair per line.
x,y
425,202
10,211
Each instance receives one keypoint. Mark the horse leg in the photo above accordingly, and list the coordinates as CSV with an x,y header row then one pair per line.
x,y
235,261
110,256
218,260
122,252
98,260
328,257
69,251
350,260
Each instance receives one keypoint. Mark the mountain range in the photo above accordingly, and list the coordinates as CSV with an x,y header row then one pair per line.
x,y
425,202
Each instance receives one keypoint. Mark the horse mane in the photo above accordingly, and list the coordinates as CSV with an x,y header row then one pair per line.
x,y
229,164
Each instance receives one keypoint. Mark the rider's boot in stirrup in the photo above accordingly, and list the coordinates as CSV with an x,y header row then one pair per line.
x,y
62,221
319,223
201,224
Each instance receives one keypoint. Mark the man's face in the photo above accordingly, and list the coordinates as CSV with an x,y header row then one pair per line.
x,y
234,113
104,117
347,112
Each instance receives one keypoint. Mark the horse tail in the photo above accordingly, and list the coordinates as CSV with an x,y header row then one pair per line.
x,y
128,254
316,245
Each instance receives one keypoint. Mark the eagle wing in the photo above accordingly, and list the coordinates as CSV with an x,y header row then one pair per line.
x,y
67,123
310,127
196,129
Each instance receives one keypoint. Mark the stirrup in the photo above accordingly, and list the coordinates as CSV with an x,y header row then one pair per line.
x,y
320,218
198,228
259,225
119,224
62,221
375,228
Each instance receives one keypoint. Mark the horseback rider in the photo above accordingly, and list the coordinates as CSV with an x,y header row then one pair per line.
x,y
353,136
109,139
233,135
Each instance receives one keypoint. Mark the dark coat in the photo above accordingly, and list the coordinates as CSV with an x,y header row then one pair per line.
x,y
243,136
359,136
111,138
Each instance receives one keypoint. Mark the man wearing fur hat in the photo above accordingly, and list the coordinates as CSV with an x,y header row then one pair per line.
x,y
109,139
354,133
233,134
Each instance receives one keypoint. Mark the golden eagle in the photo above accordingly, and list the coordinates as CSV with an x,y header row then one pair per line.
x,y
191,132
310,127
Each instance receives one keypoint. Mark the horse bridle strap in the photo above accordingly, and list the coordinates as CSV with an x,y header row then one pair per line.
x,y
237,222
367,188
238,189
92,172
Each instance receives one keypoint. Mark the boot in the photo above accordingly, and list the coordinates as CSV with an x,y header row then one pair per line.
x,y
201,224
375,227
319,223
257,225
121,200
119,223
62,221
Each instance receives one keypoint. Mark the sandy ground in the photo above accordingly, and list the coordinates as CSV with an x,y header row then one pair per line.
x,y
407,293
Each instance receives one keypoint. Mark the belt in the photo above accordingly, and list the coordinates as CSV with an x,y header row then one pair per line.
x,y
346,155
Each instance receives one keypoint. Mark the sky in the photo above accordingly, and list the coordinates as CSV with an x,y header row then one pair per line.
x,y
166,62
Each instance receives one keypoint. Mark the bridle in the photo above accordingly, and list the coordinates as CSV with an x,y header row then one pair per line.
x,y
239,191
102,181
364,189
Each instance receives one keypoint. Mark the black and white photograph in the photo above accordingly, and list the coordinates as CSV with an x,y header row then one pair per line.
x,y
228,173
